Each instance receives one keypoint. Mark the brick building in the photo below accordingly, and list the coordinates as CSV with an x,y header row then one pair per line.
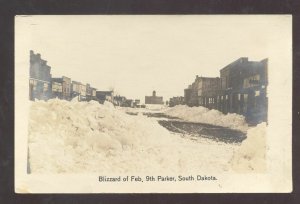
x,y
208,88
90,93
78,90
188,95
75,89
39,78
66,82
154,99
57,89
240,89
202,91
177,100
65,87
244,86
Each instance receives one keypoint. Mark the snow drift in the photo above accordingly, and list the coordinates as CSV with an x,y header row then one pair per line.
x,y
78,137
155,107
205,115
251,155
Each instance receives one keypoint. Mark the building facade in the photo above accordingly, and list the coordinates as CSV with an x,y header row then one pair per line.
x,y
174,101
202,91
39,78
65,84
75,89
82,92
188,95
244,85
240,89
57,89
43,87
105,96
154,99
208,90
88,92
94,90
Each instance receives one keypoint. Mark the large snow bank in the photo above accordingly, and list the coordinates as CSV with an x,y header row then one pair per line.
x,y
251,155
77,137
205,115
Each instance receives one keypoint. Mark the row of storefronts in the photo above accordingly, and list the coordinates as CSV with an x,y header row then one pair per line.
x,y
241,88
43,86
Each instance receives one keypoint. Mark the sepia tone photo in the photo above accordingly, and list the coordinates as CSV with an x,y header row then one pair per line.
x,y
153,104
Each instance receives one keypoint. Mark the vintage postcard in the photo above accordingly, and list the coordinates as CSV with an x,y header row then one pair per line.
x,y
153,104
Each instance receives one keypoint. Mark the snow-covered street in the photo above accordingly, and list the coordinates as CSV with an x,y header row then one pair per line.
x,y
81,137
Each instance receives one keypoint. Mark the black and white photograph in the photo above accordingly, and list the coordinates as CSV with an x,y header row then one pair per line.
x,y
153,103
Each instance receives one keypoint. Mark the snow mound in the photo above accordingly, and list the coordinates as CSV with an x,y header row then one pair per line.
x,y
251,156
75,99
155,107
78,137
204,115
108,104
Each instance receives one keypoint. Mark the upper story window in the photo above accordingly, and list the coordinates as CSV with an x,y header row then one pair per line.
x,y
45,87
251,81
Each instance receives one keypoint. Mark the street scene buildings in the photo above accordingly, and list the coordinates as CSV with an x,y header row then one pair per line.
x,y
220,109
240,88
137,96
43,86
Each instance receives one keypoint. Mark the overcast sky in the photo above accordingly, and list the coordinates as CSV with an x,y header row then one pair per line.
x,y
138,54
